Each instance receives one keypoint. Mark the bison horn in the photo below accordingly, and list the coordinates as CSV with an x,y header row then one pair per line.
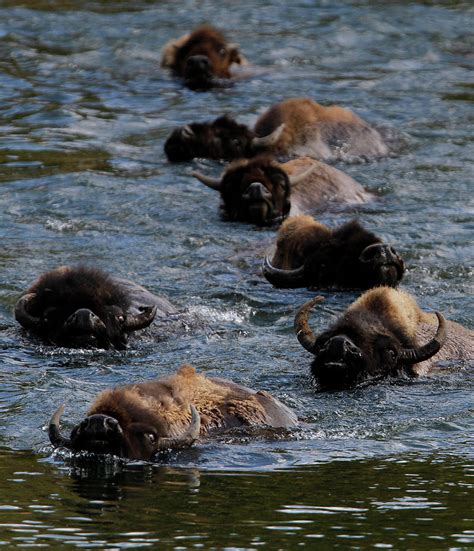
x,y
55,436
304,334
213,183
185,440
134,322
282,277
21,312
297,178
270,139
187,131
428,350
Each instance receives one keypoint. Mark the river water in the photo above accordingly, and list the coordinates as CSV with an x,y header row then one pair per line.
x,y
84,112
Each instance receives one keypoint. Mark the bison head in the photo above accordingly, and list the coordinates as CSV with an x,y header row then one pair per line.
x,y
222,139
205,57
80,307
135,434
349,257
352,353
256,191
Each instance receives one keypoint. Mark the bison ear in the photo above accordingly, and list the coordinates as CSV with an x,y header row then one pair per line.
x,y
235,55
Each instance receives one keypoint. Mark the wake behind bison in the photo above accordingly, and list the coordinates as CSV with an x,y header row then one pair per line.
x,y
383,333
85,307
138,421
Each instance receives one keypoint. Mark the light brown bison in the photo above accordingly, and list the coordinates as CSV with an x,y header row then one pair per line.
x,y
203,58
295,127
138,421
264,192
85,307
309,254
383,333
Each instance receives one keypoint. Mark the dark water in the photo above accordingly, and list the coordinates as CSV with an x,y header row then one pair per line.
x,y
84,111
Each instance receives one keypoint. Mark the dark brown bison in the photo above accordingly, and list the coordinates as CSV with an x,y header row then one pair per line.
x,y
203,58
84,307
264,192
383,333
138,421
295,127
309,254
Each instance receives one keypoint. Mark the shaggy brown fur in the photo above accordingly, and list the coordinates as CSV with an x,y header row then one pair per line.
x,y
69,288
394,308
325,187
165,403
369,339
321,132
336,257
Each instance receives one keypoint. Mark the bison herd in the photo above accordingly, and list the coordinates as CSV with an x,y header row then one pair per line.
x,y
277,177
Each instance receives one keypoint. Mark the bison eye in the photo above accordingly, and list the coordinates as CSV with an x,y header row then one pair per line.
x,y
121,319
391,354
151,437
236,141
222,52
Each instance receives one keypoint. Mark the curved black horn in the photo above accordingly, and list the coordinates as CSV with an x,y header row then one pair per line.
x,y
187,438
304,333
280,277
133,322
22,315
55,436
428,350
270,139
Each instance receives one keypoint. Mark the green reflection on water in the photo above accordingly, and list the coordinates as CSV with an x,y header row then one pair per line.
x,y
404,502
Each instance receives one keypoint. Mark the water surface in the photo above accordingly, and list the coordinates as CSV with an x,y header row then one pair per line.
x,y
84,112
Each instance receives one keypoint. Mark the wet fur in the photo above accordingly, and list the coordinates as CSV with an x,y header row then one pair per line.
x,y
222,139
325,133
164,404
395,314
204,40
326,187
71,288
330,256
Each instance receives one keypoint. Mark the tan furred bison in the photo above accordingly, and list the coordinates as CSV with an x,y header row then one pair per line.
x,y
80,306
138,421
292,128
383,333
203,58
310,254
264,192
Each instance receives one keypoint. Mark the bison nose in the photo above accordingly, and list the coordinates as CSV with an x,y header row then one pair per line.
x,y
198,64
256,192
379,253
339,348
99,424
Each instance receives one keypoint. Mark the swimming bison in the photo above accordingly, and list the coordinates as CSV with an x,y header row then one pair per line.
x,y
309,254
265,192
203,58
383,333
138,421
84,307
295,127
